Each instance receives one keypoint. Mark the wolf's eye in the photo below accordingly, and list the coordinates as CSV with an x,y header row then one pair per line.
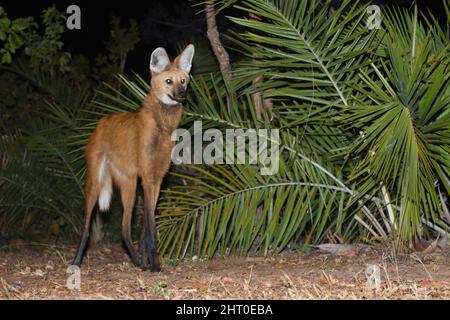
x,y
168,81
182,81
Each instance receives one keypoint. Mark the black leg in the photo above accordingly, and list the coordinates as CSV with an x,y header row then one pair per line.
x,y
128,195
143,243
150,258
91,199
155,265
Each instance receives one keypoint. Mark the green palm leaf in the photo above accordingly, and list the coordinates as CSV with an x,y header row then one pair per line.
x,y
405,120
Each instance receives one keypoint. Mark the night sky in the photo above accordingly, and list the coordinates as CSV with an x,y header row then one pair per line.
x,y
161,23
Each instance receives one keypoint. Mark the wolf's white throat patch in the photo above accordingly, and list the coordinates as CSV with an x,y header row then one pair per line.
x,y
168,101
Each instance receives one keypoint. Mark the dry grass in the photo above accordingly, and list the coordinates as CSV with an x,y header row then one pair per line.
x,y
39,272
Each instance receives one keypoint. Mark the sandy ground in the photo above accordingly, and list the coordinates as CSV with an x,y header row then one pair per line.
x,y
40,272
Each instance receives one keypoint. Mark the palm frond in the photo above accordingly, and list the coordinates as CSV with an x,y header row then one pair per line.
x,y
405,121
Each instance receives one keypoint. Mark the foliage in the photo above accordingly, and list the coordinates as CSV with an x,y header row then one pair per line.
x,y
364,133
237,197
46,91
204,61
121,41
403,113
45,50
326,70
37,71
37,165
12,35
328,77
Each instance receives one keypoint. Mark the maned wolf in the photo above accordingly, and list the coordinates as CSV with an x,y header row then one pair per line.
x,y
128,145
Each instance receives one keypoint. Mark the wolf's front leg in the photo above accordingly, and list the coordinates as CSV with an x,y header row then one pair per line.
x,y
149,258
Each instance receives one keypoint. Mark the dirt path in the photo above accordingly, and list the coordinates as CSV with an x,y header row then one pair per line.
x,y
39,272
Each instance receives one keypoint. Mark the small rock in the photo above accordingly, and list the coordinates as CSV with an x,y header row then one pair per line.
x,y
15,287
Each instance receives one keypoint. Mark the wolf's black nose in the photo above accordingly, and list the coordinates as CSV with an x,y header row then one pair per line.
x,y
181,93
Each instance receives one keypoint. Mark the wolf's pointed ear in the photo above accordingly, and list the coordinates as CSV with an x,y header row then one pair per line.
x,y
184,60
159,61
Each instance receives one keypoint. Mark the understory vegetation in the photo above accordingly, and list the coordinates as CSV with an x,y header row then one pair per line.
x,y
363,117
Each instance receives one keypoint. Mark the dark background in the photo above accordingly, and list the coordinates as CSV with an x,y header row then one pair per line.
x,y
161,22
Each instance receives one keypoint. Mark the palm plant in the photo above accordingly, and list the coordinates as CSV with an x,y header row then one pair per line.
x,y
402,110
324,69
363,119
31,190
234,208
326,75
40,177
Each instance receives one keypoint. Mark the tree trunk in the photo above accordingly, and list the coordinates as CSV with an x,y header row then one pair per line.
x,y
214,38
219,50
259,101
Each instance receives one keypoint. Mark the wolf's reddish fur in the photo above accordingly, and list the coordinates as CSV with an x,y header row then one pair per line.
x,y
125,146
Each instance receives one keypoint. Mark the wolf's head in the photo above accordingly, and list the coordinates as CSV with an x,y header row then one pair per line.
x,y
170,80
